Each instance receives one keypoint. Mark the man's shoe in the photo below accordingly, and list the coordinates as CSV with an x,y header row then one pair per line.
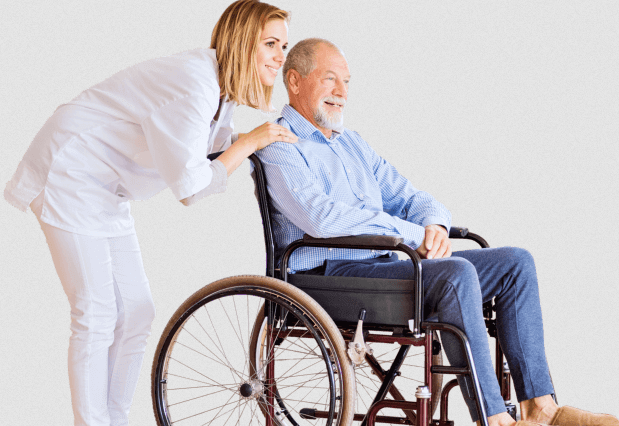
x,y
570,416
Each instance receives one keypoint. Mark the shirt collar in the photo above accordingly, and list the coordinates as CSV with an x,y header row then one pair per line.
x,y
303,128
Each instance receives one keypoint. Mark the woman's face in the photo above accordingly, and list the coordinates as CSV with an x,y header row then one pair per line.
x,y
271,47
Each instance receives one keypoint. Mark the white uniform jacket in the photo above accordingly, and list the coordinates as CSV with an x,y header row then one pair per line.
x,y
127,138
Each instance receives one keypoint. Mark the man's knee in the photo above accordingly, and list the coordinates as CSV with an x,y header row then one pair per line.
x,y
454,276
520,258
458,269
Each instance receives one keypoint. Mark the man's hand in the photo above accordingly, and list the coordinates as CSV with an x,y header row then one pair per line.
x,y
436,243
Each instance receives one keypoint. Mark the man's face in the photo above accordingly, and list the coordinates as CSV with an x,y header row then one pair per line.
x,y
325,90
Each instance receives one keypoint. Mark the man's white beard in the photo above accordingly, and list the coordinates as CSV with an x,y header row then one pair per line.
x,y
326,120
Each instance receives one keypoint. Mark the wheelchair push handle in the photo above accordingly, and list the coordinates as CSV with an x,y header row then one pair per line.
x,y
214,155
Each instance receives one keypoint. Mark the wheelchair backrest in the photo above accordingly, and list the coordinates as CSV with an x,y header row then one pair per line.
x,y
264,203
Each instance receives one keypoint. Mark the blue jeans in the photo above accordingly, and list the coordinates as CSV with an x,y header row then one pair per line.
x,y
454,290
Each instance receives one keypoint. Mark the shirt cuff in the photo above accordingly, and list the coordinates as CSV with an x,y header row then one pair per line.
x,y
436,220
217,185
412,233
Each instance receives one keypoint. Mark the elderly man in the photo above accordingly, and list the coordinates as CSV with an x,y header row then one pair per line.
x,y
331,183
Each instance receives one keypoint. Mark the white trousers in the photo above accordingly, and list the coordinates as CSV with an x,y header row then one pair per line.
x,y
111,314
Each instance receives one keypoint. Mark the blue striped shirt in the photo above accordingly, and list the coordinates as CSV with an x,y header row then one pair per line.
x,y
336,187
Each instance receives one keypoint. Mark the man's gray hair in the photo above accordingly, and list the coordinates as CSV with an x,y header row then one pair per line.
x,y
302,57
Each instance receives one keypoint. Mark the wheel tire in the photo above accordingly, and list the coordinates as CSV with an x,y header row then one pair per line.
x,y
173,343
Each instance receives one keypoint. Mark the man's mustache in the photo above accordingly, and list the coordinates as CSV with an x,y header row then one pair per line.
x,y
335,100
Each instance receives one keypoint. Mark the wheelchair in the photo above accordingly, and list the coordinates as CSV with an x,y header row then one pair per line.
x,y
292,349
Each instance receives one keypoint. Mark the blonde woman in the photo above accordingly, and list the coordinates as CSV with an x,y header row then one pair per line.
x,y
145,128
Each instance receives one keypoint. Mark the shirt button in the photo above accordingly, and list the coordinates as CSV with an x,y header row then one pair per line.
x,y
330,248
347,170
373,251
288,270
294,189
361,196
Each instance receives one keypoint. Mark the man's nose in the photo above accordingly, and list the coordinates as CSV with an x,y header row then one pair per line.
x,y
340,89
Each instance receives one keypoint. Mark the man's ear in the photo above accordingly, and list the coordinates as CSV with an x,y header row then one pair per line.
x,y
294,78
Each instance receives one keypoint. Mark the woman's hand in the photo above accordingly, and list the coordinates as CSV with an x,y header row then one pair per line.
x,y
251,142
268,133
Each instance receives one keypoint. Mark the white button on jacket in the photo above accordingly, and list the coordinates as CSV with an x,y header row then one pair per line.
x,y
126,138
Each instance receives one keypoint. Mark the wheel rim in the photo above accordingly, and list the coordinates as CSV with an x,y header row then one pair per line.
x,y
206,375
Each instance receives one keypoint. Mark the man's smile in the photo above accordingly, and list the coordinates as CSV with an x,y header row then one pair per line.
x,y
334,103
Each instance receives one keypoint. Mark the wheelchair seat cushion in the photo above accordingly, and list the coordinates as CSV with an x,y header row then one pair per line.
x,y
387,302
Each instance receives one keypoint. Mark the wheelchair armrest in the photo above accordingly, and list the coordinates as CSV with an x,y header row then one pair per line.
x,y
455,232
356,241
463,233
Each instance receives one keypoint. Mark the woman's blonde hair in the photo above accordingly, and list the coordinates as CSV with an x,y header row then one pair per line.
x,y
235,39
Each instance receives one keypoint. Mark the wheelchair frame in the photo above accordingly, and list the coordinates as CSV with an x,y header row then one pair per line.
x,y
422,330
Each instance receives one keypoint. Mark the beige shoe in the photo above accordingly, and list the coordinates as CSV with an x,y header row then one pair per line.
x,y
570,416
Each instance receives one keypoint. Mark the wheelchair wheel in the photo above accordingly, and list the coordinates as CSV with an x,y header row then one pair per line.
x,y
203,372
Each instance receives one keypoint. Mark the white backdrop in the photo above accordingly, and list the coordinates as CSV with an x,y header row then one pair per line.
x,y
507,112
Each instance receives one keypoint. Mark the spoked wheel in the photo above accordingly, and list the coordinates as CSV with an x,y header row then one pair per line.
x,y
369,377
204,372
